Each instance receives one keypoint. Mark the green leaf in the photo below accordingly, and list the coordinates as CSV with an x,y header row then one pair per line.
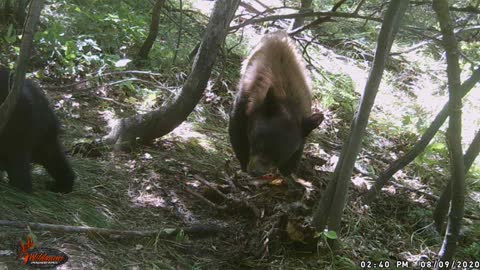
x,y
437,146
330,234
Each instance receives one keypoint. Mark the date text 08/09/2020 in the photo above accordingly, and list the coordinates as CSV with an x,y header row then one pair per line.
x,y
422,264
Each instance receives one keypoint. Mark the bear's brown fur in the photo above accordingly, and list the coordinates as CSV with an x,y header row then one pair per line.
x,y
271,114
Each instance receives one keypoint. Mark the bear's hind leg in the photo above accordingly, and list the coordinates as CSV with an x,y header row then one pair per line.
x,y
19,170
55,162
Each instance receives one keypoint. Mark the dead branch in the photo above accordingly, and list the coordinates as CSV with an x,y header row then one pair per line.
x,y
250,8
54,88
231,203
194,230
205,200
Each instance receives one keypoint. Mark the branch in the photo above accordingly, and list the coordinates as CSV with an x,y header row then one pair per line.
x,y
196,230
420,144
307,14
140,72
436,39
319,20
470,9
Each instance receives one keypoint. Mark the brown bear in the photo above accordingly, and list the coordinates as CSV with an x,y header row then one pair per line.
x,y
271,114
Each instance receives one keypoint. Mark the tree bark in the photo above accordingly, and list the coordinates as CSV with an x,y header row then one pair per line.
x,y
8,105
153,31
454,132
305,7
160,122
20,12
421,144
333,201
443,203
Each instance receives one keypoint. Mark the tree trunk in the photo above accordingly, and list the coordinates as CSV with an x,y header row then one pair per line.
x,y
8,105
305,7
153,31
333,201
160,122
298,27
443,204
454,132
421,144
20,12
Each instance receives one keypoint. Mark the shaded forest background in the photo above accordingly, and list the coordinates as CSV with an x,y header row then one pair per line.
x,y
185,190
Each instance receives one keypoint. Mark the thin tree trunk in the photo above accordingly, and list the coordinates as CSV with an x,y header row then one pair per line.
x,y
179,37
160,122
300,28
20,12
153,31
420,146
454,132
305,7
443,203
330,207
8,105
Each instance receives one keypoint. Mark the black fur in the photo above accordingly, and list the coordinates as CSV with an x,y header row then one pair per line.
x,y
32,135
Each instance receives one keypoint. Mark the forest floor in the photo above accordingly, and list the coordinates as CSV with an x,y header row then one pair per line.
x,y
189,179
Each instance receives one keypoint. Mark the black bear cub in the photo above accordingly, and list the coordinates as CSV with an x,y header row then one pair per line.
x,y
271,114
31,135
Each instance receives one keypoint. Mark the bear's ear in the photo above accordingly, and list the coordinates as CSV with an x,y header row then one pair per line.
x,y
311,122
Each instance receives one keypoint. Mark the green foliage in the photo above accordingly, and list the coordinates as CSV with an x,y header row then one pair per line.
x,y
473,178
79,37
325,235
181,236
416,214
434,159
472,49
473,248
336,92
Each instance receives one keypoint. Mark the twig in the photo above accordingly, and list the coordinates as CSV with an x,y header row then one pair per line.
x,y
231,203
261,4
210,185
53,88
253,18
205,200
428,195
